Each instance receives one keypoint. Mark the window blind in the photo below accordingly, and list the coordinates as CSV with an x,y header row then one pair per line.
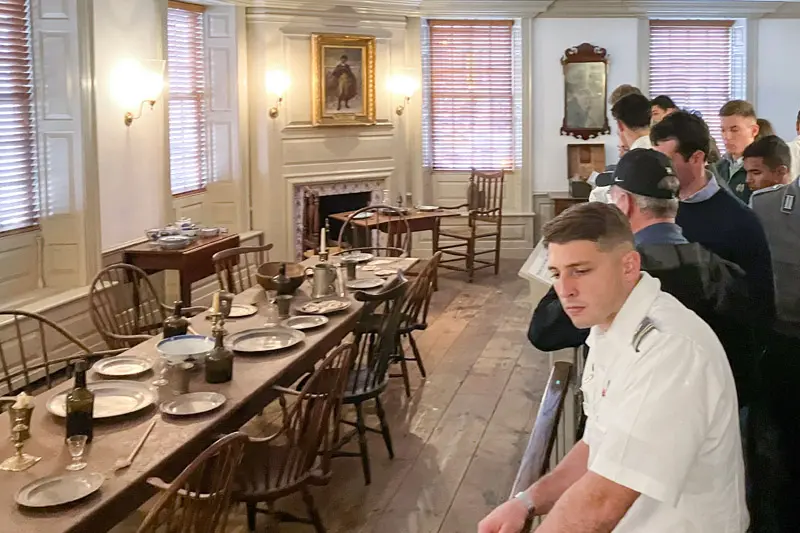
x,y
188,148
691,62
469,86
19,195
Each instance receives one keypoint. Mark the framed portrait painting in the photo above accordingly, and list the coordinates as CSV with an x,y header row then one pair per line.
x,y
343,91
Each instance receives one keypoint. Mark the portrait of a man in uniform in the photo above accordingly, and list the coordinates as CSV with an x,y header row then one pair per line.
x,y
343,68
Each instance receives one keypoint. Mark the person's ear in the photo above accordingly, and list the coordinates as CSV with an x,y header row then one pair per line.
x,y
697,158
755,128
631,265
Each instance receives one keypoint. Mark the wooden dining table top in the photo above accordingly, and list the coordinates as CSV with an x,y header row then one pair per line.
x,y
173,443
412,216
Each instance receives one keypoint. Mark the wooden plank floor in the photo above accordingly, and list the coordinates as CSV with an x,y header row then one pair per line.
x,y
458,440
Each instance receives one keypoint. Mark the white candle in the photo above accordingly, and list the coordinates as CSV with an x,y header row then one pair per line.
x,y
215,302
322,247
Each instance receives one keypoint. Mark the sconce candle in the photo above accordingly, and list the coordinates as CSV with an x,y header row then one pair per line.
x,y
276,82
138,83
404,86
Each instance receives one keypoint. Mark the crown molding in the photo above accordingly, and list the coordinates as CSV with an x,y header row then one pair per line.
x,y
364,7
789,10
484,8
666,8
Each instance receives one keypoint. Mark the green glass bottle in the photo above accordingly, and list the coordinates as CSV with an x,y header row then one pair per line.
x,y
176,324
219,362
80,405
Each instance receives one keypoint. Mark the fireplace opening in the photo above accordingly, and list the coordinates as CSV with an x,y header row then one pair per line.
x,y
340,203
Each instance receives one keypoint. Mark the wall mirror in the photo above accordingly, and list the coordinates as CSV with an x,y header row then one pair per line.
x,y
585,88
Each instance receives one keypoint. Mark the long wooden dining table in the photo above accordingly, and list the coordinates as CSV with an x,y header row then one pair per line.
x,y
173,443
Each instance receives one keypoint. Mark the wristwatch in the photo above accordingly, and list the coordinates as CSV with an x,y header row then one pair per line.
x,y
526,499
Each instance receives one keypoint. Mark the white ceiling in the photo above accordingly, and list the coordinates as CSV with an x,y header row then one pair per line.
x,y
546,8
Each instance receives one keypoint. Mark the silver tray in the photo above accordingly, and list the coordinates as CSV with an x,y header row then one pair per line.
x,y
123,365
324,306
59,489
365,284
302,322
242,310
262,340
111,398
193,403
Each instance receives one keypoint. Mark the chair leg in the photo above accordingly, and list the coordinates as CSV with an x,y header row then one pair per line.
x,y
362,443
387,437
417,355
497,254
313,513
251,517
403,366
471,260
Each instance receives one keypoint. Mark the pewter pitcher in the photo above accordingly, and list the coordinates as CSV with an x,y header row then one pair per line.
x,y
324,277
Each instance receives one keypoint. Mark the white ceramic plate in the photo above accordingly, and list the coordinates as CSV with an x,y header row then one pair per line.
x,y
111,398
303,322
193,403
358,257
182,347
385,272
361,216
262,340
428,208
242,310
59,489
324,307
123,365
364,284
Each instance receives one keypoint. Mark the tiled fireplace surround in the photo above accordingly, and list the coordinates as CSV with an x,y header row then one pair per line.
x,y
373,186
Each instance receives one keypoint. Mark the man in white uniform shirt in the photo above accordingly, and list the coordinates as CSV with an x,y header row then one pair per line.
x,y
661,452
794,146
632,113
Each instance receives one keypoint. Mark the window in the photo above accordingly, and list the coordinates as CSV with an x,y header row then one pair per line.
x,y
692,61
471,84
19,194
187,105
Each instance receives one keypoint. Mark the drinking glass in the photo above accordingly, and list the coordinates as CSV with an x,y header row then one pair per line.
x,y
76,445
271,311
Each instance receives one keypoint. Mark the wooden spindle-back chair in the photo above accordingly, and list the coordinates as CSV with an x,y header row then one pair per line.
x,y
125,307
385,233
311,225
484,219
31,359
236,267
297,456
198,500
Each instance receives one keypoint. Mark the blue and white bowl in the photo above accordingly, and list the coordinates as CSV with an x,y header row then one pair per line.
x,y
179,348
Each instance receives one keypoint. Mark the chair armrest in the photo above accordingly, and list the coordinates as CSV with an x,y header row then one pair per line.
x,y
158,483
452,208
138,338
108,353
284,390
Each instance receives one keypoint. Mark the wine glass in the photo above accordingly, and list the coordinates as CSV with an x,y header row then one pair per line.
x,y
76,445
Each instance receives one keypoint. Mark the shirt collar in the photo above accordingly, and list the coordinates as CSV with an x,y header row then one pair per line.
x,y
633,311
642,142
660,233
710,189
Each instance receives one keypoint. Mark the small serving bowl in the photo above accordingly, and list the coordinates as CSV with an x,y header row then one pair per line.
x,y
209,232
173,242
153,234
181,348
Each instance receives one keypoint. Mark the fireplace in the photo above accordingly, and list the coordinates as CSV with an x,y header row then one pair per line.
x,y
335,198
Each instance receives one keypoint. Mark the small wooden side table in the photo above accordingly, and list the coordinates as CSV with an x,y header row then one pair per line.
x,y
562,202
193,263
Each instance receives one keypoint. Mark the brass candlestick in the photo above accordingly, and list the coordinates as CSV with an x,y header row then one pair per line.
x,y
19,461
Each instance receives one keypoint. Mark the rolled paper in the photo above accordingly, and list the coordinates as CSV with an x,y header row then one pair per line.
x,y
322,247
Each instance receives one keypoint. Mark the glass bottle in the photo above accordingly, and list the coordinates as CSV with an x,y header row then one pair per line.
x,y
176,324
282,283
80,405
219,362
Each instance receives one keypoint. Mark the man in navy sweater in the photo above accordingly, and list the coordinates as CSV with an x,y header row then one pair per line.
x,y
712,216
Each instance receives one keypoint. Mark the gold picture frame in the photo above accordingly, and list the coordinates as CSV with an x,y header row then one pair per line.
x,y
343,78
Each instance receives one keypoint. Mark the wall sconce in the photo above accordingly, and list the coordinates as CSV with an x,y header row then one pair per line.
x,y
404,86
276,82
137,83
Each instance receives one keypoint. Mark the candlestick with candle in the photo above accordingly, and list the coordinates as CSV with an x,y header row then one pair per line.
x,y
322,243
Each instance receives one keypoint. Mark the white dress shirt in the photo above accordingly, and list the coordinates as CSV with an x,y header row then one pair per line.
x,y
600,194
794,147
662,418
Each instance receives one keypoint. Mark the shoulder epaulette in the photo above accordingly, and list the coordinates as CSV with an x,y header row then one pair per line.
x,y
645,327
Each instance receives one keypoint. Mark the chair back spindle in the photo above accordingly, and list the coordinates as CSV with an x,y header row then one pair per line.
x,y
236,267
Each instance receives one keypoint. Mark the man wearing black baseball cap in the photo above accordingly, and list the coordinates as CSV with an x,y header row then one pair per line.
x,y
645,189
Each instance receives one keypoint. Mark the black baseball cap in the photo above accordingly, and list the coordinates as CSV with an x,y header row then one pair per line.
x,y
641,170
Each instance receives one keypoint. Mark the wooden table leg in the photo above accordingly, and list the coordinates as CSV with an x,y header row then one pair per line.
x,y
186,289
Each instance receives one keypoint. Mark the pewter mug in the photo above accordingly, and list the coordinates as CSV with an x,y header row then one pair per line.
x,y
324,277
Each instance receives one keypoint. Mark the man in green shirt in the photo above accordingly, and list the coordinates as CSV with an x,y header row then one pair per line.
x,y
739,130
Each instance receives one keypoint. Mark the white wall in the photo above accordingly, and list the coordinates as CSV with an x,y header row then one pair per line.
x,y
777,76
551,36
132,161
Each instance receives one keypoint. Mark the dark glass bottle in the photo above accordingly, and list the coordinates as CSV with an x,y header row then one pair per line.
x,y
80,405
176,324
219,362
283,285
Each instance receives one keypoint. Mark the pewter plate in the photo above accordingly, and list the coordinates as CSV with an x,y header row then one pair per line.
x,y
262,340
364,284
305,322
123,365
58,490
194,403
111,398
242,310
427,208
365,214
324,306
357,257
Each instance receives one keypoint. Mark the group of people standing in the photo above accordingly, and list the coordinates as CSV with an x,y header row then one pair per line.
x,y
683,278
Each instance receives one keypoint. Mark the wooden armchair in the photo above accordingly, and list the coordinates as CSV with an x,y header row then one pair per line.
x,y
385,233
125,307
485,219
296,457
31,357
236,267
312,226
198,500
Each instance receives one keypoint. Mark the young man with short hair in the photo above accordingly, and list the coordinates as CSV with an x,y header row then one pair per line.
x,y
767,162
632,113
739,130
661,452
660,107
